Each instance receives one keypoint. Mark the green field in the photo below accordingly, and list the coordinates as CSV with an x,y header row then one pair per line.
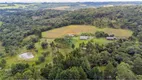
x,y
1,23
6,6
78,29
77,41
1,47
61,8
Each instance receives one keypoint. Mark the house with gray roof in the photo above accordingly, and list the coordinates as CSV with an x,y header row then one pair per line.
x,y
111,38
84,37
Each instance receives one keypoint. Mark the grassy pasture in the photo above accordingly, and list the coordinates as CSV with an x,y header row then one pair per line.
x,y
100,41
5,6
1,47
78,29
61,8
1,23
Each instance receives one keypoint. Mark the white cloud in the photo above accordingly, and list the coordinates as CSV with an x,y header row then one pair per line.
x,y
62,0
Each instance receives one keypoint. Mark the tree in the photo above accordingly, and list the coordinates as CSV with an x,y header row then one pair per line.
x,y
58,58
27,74
131,50
137,66
30,46
20,67
71,73
109,72
36,73
34,39
38,33
101,34
45,71
40,59
52,44
86,66
90,47
18,76
124,72
44,45
82,73
55,71
82,45
73,46
140,37
2,63
46,53
96,74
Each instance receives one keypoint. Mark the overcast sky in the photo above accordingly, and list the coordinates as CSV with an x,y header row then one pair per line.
x,y
62,0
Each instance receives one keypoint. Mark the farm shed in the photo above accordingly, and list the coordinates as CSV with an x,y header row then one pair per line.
x,y
71,35
111,38
84,37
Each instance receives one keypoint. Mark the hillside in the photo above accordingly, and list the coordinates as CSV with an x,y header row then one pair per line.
x,y
35,43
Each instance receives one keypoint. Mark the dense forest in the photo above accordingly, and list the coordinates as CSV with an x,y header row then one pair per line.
x,y
118,60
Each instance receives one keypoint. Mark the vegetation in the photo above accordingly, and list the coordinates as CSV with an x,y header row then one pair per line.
x,y
79,29
60,56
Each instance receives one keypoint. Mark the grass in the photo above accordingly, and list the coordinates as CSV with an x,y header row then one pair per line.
x,y
1,47
61,8
1,23
100,41
29,37
78,29
15,59
5,6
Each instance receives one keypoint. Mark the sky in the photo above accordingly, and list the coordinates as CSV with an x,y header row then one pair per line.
x,y
63,0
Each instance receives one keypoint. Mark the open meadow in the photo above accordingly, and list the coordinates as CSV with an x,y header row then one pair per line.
x,y
14,6
78,29
61,8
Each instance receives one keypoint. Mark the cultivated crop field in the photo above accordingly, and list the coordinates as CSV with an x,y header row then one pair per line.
x,y
78,29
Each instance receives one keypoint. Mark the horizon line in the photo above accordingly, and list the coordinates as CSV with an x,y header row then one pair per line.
x,y
70,2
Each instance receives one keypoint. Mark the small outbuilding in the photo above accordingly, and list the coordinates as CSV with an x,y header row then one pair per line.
x,y
84,37
111,38
26,56
71,35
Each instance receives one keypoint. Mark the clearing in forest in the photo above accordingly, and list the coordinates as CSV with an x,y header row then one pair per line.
x,y
78,29
14,6
61,8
